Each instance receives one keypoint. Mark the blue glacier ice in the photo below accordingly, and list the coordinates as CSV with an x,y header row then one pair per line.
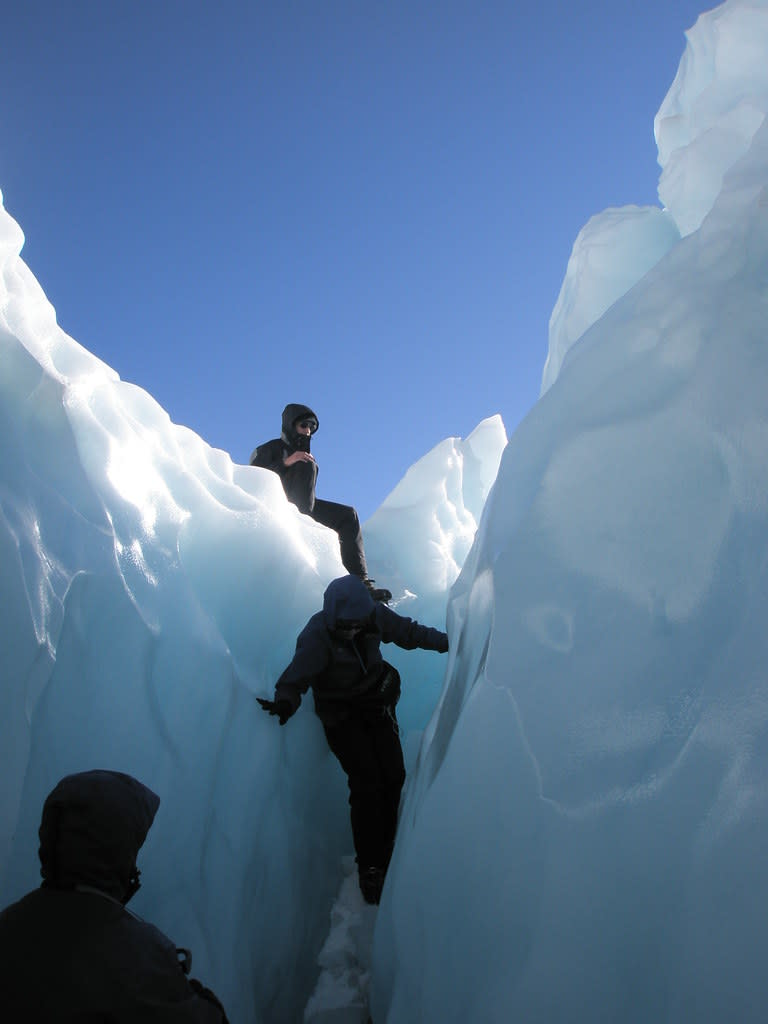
x,y
584,836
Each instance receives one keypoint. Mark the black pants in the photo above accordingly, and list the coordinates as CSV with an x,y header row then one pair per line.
x,y
368,749
343,519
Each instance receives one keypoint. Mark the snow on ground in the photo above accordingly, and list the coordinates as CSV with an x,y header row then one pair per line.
x,y
341,994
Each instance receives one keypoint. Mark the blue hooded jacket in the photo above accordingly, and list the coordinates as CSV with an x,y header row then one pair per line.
x,y
345,670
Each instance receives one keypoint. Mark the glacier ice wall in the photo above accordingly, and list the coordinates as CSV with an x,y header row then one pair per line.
x,y
587,823
149,588
705,124
713,109
612,252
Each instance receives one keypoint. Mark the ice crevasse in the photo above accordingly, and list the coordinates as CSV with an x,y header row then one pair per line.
x,y
150,588
586,814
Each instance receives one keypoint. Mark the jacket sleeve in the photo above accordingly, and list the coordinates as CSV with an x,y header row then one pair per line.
x,y
269,456
298,480
163,992
407,633
299,484
310,661
160,991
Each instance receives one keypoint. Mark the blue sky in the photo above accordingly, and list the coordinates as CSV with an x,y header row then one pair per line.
x,y
367,207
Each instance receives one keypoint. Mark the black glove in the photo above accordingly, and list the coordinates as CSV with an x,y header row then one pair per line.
x,y
282,708
443,647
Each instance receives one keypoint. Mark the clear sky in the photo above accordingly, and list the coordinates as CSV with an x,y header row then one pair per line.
x,y
364,206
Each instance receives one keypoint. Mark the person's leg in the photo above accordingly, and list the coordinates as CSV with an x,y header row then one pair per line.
x,y
389,755
344,520
369,751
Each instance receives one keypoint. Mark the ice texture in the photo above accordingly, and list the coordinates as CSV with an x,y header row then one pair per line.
x,y
612,252
704,126
713,109
584,835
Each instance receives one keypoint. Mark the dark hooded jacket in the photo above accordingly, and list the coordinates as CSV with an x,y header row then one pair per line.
x,y
299,480
70,951
349,674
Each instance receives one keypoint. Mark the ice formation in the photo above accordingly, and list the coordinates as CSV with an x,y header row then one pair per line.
x,y
584,835
588,807
149,589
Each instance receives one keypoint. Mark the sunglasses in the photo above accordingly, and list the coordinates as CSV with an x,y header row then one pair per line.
x,y
349,626
308,424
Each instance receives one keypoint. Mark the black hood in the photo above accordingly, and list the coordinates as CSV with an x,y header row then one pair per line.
x,y
346,598
92,828
292,413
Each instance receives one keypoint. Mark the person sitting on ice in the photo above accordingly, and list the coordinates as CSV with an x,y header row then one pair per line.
x,y
70,951
355,692
289,456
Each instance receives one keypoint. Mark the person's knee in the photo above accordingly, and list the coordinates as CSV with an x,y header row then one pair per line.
x,y
370,790
364,788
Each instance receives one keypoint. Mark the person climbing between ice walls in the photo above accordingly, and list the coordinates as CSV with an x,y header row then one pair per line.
x,y
289,456
70,951
355,692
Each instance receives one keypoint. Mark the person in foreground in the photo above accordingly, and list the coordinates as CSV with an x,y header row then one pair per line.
x,y
70,952
289,456
355,692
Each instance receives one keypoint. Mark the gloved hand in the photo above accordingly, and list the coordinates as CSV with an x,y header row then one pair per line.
x,y
282,708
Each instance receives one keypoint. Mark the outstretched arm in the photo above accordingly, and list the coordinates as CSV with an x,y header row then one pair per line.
x,y
407,633
309,661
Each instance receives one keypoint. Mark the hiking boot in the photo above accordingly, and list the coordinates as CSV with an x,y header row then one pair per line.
x,y
371,884
377,593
